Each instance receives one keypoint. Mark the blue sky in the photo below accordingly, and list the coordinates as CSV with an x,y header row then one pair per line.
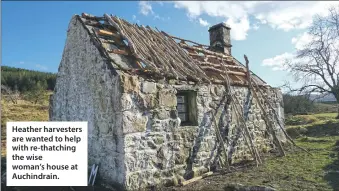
x,y
34,33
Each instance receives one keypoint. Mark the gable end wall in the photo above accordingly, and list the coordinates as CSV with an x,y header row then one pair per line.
x,y
87,89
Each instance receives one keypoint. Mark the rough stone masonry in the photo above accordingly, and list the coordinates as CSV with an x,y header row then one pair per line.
x,y
136,135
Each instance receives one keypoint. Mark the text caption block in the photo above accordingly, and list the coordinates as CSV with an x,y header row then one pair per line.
x,y
47,154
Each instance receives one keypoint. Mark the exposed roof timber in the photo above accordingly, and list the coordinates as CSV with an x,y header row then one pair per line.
x,y
92,17
222,71
206,51
109,41
157,54
108,33
202,64
201,45
118,51
240,79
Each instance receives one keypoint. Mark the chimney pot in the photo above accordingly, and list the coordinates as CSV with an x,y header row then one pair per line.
x,y
220,38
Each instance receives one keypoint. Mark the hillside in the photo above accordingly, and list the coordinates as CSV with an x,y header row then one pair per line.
x,y
323,98
26,80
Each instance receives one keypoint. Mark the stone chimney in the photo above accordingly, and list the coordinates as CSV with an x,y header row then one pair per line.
x,y
220,38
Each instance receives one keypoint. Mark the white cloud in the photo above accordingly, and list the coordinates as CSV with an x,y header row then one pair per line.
x,y
134,18
239,29
277,62
21,62
232,12
255,27
288,15
203,22
282,15
299,42
145,7
41,67
302,40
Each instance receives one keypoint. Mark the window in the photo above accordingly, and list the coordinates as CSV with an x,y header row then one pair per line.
x,y
186,107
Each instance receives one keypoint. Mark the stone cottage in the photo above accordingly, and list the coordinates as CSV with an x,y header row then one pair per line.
x,y
151,100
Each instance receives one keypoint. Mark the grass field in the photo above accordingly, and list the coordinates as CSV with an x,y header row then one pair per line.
x,y
22,111
319,133
329,107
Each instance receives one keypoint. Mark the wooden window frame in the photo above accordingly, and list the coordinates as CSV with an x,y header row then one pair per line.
x,y
190,105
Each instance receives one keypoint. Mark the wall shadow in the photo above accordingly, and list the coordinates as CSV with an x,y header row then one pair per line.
x,y
332,170
223,124
206,124
328,129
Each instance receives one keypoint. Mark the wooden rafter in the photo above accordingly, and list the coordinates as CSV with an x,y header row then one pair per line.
x,y
184,40
206,51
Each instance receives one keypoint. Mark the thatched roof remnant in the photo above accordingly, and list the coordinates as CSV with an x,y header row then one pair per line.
x,y
157,53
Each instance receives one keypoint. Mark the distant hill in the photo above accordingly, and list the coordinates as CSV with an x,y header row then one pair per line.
x,y
322,98
26,80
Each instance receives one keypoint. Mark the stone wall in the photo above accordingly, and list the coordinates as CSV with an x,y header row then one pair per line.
x,y
160,152
87,90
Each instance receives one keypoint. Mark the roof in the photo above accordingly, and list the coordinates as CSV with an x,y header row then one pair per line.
x,y
157,54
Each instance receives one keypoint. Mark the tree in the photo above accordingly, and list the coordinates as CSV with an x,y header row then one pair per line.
x,y
298,104
316,64
13,95
37,93
25,80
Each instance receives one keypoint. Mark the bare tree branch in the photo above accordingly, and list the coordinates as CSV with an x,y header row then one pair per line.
x,y
316,64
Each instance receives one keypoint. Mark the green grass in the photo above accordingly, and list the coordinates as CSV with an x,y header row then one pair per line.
x,y
309,119
300,171
297,170
323,124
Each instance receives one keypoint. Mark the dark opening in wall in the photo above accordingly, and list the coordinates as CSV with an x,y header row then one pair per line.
x,y
187,108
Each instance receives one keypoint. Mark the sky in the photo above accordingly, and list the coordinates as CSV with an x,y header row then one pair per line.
x,y
34,33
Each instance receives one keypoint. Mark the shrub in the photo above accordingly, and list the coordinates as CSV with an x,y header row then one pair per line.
x,y
297,104
300,119
295,132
